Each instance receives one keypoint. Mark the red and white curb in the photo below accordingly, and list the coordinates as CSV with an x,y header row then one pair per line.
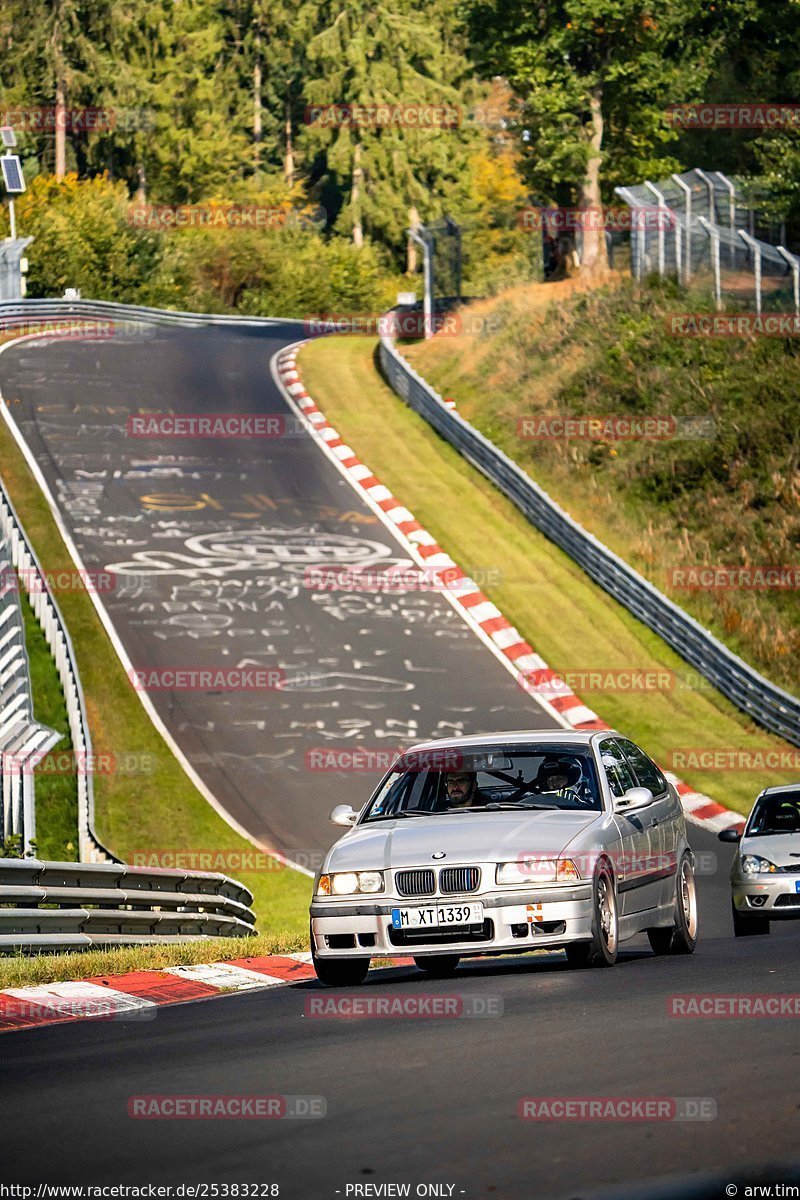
x,y
532,673
138,994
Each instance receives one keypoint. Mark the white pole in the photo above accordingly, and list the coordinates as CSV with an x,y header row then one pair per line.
x,y
756,248
713,234
687,261
662,210
794,263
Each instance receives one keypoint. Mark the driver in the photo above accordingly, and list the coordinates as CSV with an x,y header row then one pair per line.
x,y
559,775
461,790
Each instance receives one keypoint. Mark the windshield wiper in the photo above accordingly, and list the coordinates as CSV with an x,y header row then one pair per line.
x,y
500,806
405,812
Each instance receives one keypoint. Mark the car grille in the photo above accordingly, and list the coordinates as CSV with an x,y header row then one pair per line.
x,y
792,869
415,883
448,935
459,879
788,900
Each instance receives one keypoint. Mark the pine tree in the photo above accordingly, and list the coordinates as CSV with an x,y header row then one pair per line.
x,y
367,55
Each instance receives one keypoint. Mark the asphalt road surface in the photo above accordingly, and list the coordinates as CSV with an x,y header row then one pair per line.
x,y
208,541
427,1100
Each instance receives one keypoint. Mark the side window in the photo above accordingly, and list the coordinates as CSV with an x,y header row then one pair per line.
x,y
646,771
619,775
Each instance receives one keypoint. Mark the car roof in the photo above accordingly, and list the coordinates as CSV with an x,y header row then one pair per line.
x,y
779,789
515,737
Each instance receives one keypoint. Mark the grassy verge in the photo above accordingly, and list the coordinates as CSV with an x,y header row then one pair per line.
x,y
56,793
162,809
724,491
23,971
570,621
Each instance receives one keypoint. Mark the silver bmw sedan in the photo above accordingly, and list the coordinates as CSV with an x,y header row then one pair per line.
x,y
504,843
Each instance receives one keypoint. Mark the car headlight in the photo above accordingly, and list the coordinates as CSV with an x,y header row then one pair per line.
x,y
537,870
350,883
753,865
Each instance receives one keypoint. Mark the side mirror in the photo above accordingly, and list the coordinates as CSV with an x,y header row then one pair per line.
x,y
730,835
343,814
634,798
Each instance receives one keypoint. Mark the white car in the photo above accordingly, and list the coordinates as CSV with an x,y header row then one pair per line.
x,y
502,843
765,876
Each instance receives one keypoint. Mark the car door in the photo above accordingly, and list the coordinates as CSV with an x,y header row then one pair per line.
x,y
666,819
639,834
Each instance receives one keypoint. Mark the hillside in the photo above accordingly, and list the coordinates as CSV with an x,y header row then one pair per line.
x,y
719,484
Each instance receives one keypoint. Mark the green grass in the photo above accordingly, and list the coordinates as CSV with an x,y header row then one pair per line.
x,y
56,794
161,810
565,617
25,971
730,498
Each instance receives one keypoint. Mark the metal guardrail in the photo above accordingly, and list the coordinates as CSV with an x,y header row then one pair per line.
x,y
28,310
23,740
764,701
48,614
54,905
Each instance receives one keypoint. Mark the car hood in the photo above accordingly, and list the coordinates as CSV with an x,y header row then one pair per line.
x,y
777,847
464,838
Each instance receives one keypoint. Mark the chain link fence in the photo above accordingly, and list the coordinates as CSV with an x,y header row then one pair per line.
x,y
709,230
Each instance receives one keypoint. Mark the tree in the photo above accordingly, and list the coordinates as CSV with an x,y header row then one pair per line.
x,y
387,168
595,77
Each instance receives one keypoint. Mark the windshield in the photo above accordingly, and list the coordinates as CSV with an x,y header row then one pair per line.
x,y
779,813
490,780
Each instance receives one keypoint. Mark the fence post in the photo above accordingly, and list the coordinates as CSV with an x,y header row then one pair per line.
x,y
756,248
712,206
794,264
731,211
662,208
713,234
427,270
687,192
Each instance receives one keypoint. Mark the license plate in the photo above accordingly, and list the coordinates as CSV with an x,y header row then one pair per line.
x,y
436,915
797,885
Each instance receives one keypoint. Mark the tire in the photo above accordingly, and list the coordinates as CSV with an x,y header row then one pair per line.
x,y
745,926
681,936
339,972
601,951
438,966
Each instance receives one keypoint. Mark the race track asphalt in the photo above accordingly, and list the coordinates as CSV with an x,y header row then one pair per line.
x,y
208,541
433,1100
414,1101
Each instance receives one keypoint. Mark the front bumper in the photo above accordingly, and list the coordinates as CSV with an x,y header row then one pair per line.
x,y
775,896
517,921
